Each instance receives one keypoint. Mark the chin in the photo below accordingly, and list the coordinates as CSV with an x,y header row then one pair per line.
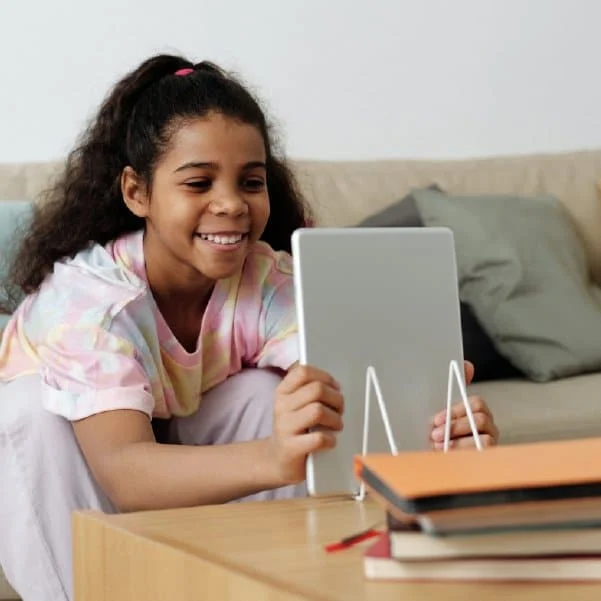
x,y
222,273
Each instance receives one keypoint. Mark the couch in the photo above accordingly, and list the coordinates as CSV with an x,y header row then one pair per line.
x,y
344,193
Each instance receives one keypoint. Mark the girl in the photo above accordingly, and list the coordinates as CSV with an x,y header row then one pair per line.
x,y
159,287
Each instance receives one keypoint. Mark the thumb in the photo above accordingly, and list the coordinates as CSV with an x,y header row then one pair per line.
x,y
468,371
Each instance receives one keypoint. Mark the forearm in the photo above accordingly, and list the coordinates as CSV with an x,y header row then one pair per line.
x,y
146,475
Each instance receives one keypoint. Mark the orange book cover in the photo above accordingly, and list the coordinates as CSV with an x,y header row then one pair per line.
x,y
426,474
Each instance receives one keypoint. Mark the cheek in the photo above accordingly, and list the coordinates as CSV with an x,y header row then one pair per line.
x,y
175,209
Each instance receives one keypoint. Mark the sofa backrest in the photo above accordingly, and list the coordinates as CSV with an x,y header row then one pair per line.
x,y
342,193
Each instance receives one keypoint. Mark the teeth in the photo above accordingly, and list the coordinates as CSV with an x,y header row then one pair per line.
x,y
234,239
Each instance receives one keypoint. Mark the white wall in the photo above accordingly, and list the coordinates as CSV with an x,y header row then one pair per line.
x,y
345,79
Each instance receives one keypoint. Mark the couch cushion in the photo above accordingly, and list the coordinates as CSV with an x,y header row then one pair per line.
x,y
27,180
403,213
477,345
529,411
523,270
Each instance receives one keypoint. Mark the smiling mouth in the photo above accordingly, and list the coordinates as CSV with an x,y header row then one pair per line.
x,y
223,239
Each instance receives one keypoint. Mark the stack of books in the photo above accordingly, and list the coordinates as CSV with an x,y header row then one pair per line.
x,y
515,512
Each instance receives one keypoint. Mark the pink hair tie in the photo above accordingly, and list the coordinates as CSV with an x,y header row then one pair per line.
x,y
184,71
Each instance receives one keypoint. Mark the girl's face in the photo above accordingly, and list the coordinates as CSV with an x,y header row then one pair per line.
x,y
209,201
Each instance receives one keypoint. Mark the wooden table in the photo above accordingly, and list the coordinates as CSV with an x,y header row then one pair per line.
x,y
270,551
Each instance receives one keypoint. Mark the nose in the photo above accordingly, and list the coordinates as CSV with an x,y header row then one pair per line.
x,y
229,203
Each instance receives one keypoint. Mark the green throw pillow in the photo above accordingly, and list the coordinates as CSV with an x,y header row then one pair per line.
x,y
523,270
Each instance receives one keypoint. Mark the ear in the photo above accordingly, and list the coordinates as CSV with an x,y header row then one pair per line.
x,y
134,193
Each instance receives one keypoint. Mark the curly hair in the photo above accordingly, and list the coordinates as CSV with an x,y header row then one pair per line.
x,y
133,128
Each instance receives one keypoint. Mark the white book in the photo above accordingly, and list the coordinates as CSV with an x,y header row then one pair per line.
x,y
416,545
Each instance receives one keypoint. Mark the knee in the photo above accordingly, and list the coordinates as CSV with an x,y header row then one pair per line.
x,y
259,388
240,408
259,380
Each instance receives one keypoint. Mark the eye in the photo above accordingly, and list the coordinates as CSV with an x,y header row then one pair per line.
x,y
200,185
253,184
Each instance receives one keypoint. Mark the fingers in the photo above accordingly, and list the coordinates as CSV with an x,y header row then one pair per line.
x,y
311,442
467,442
307,414
310,393
477,405
461,427
468,369
313,415
300,375
308,398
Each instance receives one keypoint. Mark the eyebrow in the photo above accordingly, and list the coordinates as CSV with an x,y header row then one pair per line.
x,y
209,165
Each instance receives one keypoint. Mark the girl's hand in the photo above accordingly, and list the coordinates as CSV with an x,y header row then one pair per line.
x,y
306,398
461,433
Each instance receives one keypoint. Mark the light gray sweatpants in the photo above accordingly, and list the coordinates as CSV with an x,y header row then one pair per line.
x,y
44,476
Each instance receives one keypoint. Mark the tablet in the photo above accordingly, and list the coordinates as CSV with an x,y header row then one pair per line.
x,y
385,298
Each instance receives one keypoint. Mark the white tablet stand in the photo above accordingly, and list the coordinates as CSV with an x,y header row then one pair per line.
x,y
371,381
